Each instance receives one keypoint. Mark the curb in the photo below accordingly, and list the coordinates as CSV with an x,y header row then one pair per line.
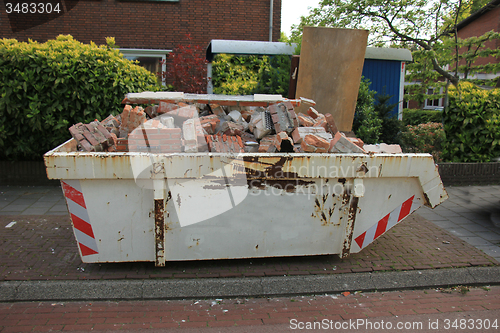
x,y
148,289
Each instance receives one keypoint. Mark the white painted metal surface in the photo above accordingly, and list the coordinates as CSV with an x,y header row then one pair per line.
x,y
162,207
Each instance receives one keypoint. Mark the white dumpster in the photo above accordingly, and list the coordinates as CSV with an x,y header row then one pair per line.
x,y
166,207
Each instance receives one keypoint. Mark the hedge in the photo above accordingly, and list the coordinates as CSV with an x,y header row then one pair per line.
x,y
472,124
416,116
47,87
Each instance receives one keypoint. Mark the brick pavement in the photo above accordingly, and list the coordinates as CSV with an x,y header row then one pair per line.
x,y
394,306
43,248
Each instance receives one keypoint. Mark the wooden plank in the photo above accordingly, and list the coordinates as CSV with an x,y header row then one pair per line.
x,y
331,62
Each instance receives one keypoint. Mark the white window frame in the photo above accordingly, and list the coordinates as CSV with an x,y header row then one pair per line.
x,y
429,101
152,53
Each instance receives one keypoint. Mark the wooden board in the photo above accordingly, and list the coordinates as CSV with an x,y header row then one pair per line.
x,y
331,62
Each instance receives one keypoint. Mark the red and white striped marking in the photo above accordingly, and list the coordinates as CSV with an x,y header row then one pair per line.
x,y
387,222
80,217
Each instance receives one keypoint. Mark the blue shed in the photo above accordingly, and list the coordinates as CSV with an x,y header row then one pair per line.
x,y
385,68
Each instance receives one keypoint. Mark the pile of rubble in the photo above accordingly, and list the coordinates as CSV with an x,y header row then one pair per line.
x,y
175,126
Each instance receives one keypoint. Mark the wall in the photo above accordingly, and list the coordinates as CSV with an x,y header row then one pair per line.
x,y
487,22
147,24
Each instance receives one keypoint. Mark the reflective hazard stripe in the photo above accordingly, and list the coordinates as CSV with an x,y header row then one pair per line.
x,y
80,217
387,222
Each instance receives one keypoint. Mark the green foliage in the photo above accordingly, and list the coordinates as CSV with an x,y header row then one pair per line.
x,y
366,125
424,26
391,126
416,116
247,75
48,87
471,124
425,79
235,75
423,138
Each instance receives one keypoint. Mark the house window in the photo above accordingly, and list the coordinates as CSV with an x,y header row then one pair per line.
x,y
433,103
152,60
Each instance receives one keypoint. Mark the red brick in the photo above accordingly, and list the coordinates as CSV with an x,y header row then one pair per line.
x,y
221,323
80,328
17,329
313,113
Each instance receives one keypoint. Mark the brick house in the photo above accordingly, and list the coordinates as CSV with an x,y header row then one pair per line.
x,y
478,23
145,30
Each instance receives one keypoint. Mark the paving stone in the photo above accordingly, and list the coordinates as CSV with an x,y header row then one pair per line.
x,y
34,211
473,227
460,232
475,240
488,235
460,220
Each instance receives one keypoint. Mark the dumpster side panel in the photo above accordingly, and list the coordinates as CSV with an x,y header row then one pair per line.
x,y
387,201
269,222
122,217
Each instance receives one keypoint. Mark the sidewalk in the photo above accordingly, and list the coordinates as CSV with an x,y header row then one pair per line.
x,y
428,310
42,248
453,245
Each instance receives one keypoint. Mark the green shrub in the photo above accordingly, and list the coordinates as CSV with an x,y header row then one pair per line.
x,y
235,75
472,124
391,125
423,138
417,116
247,75
50,86
367,125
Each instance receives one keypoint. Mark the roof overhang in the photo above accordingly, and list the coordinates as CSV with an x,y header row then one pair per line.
x,y
384,53
243,47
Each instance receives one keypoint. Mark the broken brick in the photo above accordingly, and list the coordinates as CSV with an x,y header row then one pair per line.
x,y
92,136
267,145
341,144
313,113
358,142
314,144
283,142
225,144
307,101
281,118
217,109
131,119
209,123
332,126
155,140
321,122
383,148
112,124
165,107
231,128
261,124
304,120
300,132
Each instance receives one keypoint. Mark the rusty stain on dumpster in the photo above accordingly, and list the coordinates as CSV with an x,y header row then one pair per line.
x,y
159,232
346,243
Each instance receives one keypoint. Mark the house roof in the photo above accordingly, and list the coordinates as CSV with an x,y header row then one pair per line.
x,y
241,47
385,53
472,17
217,46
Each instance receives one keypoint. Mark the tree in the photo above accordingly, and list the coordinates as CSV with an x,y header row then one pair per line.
x,y
429,27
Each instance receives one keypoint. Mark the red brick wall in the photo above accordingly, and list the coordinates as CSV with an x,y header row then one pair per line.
x,y
151,24
487,22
